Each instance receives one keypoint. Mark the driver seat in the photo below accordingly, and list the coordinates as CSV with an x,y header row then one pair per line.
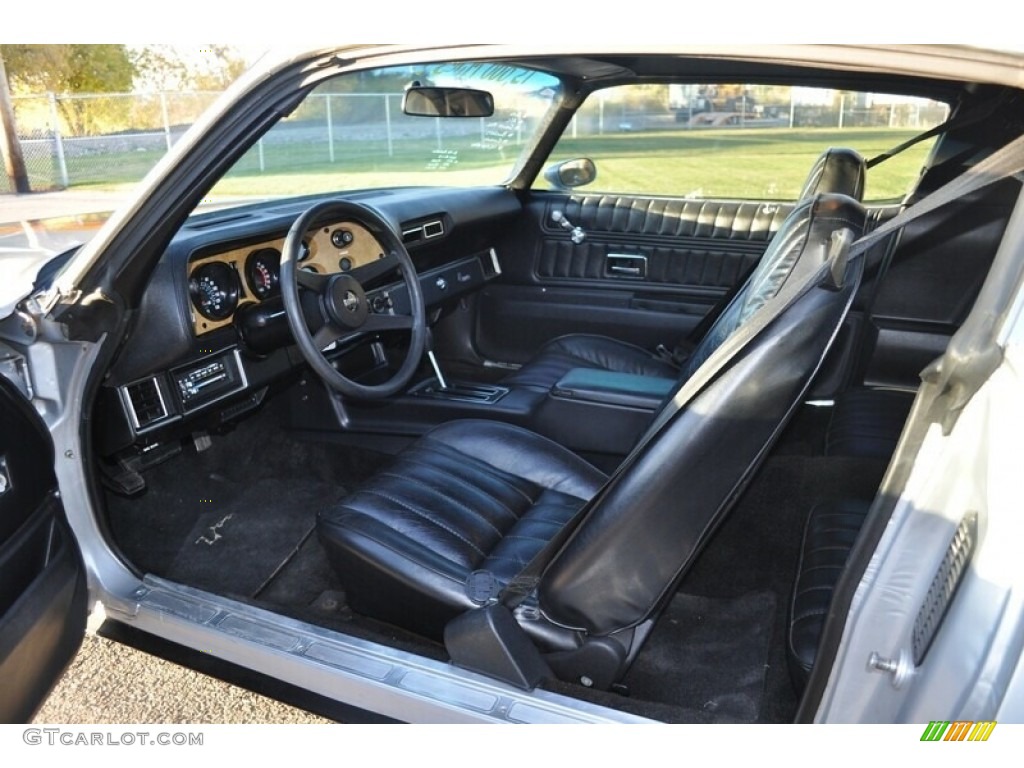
x,y
474,496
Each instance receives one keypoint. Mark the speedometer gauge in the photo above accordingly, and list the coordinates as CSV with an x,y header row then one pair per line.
x,y
262,272
214,289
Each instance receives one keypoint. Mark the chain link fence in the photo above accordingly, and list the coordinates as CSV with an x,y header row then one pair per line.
x,y
110,139
99,139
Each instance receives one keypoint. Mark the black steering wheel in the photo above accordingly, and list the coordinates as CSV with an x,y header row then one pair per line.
x,y
336,305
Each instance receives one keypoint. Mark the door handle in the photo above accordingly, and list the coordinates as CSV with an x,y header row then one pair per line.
x,y
627,265
618,269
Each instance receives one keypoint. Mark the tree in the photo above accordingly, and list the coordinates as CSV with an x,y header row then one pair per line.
x,y
208,67
14,163
69,69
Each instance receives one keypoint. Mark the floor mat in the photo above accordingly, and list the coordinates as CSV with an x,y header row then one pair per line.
x,y
257,533
708,654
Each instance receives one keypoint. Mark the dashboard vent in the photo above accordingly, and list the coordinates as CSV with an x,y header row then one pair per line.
x,y
424,230
147,402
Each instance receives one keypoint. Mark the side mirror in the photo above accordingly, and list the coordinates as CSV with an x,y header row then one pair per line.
x,y
571,173
423,101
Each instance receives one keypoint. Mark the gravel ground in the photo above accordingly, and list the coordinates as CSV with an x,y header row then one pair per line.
x,y
112,683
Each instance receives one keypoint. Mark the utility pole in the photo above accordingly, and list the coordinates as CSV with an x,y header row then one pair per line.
x,y
14,163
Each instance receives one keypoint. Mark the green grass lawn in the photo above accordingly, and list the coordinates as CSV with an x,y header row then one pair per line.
x,y
718,163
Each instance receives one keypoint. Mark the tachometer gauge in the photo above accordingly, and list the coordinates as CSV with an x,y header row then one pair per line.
x,y
214,289
263,272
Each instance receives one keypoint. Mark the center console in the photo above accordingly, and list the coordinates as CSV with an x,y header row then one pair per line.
x,y
595,411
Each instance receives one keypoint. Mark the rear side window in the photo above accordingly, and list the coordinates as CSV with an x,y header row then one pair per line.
x,y
741,141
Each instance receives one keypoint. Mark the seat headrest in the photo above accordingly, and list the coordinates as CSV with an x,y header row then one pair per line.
x,y
838,171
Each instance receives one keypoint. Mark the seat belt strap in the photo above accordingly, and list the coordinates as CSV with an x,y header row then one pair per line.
x,y
700,330
1003,163
976,115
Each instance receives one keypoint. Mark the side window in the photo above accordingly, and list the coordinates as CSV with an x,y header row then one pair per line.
x,y
726,141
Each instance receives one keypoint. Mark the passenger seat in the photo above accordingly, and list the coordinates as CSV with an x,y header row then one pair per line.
x,y
837,171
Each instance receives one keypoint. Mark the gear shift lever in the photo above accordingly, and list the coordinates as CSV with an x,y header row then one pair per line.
x,y
429,343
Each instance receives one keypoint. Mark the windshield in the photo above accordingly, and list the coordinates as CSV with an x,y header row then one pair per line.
x,y
350,133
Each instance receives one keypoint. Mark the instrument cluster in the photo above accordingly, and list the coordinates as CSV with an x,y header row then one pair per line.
x,y
220,283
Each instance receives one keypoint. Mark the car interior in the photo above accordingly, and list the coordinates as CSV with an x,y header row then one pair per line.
x,y
613,445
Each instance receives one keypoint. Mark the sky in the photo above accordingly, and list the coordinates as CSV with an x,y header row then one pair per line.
x,y
309,22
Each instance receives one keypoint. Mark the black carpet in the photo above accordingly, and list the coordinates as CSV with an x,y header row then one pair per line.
x,y
194,491
709,655
237,519
257,532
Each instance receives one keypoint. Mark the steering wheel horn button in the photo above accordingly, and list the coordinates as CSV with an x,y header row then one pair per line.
x,y
346,302
351,301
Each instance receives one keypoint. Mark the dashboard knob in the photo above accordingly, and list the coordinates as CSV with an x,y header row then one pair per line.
x,y
441,283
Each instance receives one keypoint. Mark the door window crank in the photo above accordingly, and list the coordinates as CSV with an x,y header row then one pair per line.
x,y
576,234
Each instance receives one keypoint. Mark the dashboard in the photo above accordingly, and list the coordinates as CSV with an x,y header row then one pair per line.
x,y
210,334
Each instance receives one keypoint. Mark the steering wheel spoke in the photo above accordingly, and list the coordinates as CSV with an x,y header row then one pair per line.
x,y
314,281
388,323
327,335
374,269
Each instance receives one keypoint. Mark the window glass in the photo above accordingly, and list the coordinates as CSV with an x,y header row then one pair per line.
x,y
741,141
350,133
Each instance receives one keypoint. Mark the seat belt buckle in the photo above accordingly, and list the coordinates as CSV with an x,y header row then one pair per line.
x,y
665,354
674,357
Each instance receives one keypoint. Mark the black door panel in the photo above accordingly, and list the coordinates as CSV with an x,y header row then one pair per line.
x,y
645,271
689,264
42,585
515,320
932,282
669,217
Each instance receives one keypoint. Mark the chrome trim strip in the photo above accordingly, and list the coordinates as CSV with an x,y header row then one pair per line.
x,y
391,682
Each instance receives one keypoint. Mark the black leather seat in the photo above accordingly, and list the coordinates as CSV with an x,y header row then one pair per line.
x,y
837,171
867,423
831,531
469,495
476,496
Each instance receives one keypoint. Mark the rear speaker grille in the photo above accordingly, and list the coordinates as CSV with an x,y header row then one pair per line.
x,y
944,585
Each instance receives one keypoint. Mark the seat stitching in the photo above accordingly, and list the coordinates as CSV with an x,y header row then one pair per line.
x,y
388,545
424,516
517,560
824,566
804,590
467,483
526,538
464,456
810,614
443,495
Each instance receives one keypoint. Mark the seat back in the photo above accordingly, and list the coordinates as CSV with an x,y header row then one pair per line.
x,y
837,171
646,526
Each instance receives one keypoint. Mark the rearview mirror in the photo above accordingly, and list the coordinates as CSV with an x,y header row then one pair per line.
x,y
571,173
423,101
